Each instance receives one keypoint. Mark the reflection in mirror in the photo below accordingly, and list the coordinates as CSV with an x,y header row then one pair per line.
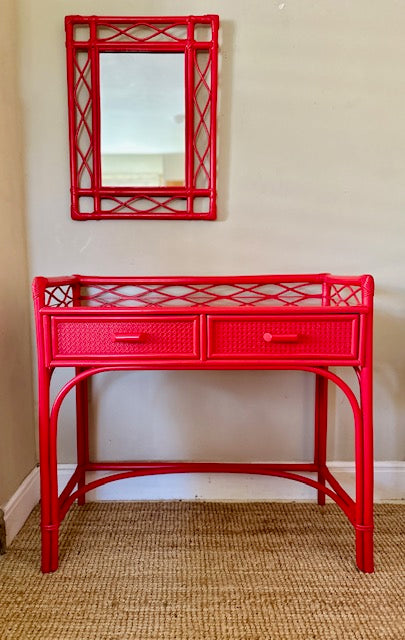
x,y
142,119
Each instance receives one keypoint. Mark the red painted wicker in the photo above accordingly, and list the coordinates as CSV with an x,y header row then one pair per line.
x,y
295,322
86,38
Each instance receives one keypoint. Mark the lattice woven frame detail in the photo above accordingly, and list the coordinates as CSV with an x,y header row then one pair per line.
x,y
86,37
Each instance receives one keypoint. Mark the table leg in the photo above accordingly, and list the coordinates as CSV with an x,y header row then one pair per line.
x,y
82,432
365,477
321,423
48,478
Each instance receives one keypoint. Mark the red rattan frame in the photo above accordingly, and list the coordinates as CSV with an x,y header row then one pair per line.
x,y
86,37
319,297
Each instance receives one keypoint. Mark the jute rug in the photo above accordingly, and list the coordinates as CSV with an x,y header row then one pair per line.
x,y
205,571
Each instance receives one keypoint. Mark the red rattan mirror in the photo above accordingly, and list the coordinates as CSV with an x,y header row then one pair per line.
x,y
142,116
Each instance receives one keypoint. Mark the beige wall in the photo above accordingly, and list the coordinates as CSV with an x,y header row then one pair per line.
x,y
17,445
311,178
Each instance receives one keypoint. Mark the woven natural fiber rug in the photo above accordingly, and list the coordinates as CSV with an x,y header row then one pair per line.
x,y
205,571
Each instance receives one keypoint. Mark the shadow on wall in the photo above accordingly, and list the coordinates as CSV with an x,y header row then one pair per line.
x,y
224,115
389,375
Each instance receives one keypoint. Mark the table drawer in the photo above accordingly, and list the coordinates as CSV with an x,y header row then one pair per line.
x,y
272,337
125,337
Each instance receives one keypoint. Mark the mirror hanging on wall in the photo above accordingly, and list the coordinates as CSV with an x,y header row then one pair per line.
x,y
142,98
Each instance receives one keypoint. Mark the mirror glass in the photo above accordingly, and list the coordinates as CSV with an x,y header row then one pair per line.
x,y
142,119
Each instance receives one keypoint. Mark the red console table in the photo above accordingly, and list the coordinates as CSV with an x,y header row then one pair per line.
x,y
295,322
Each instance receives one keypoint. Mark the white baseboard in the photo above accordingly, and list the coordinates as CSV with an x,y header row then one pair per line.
x,y
389,487
20,505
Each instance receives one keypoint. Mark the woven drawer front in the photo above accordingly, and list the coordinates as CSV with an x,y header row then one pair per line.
x,y
270,337
130,337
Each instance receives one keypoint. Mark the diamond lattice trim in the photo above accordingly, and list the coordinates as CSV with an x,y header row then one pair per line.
x,y
144,295
345,295
59,296
144,204
211,295
142,32
202,134
83,132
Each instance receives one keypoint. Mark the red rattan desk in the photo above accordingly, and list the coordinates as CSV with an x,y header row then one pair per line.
x,y
296,322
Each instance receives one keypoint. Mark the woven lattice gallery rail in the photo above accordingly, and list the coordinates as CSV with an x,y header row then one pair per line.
x,y
267,291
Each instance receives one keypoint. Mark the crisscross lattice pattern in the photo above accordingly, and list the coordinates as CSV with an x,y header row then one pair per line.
x,y
83,126
142,32
145,204
209,294
345,295
202,129
59,296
